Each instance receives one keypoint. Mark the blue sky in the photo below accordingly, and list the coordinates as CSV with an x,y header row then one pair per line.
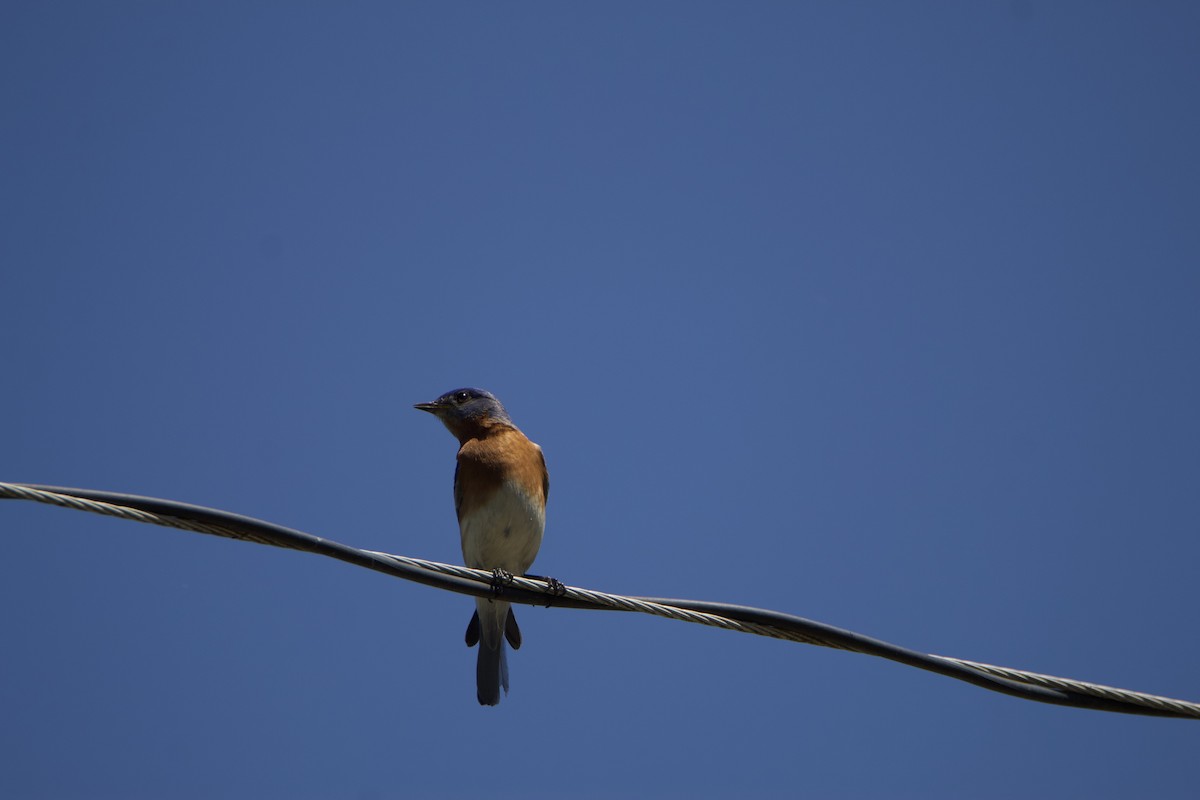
x,y
881,314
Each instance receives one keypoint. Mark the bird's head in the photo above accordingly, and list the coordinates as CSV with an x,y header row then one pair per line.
x,y
465,412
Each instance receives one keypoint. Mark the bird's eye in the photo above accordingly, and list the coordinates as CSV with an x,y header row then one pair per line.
x,y
462,397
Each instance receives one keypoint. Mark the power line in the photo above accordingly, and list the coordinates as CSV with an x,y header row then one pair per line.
x,y
540,591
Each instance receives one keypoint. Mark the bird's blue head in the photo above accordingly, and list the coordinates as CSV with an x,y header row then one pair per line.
x,y
466,412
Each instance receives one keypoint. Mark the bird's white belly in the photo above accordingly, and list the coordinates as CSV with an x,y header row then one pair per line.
x,y
505,533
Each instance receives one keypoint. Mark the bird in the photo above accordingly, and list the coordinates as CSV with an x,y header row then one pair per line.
x,y
500,491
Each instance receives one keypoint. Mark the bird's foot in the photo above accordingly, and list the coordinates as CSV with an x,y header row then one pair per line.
x,y
554,587
500,579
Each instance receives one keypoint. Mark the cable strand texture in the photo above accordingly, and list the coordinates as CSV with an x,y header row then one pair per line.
x,y
1030,685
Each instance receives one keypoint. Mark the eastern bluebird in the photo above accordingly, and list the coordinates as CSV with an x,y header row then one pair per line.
x,y
500,490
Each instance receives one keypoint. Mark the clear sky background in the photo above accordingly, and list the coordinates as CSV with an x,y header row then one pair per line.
x,y
882,314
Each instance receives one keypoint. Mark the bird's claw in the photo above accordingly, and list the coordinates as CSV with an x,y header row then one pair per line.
x,y
500,579
554,589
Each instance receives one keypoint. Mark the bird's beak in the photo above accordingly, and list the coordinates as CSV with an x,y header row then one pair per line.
x,y
432,408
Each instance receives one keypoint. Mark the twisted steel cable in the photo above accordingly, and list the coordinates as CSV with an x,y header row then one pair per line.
x,y
541,591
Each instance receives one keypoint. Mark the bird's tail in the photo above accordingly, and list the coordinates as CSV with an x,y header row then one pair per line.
x,y
492,623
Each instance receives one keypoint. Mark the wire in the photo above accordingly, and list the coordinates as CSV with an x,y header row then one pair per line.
x,y
541,591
